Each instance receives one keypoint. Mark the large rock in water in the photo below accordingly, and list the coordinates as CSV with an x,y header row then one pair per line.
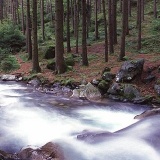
x,y
49,151
88,91
129,70
148,113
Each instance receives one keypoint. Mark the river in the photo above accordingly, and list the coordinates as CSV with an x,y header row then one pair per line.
x,y
28,117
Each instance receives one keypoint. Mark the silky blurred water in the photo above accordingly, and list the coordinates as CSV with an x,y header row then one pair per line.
x,y
28,117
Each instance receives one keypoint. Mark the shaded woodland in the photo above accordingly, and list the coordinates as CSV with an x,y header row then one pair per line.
x,y
73,25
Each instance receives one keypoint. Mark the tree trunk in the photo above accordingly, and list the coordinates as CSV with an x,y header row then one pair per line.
x,y
155,8
114,20
110,27
105,29
124,12
42,19
1,10
28,31
139,24
96,21
59,48
68,26
22,17
35,62
84,43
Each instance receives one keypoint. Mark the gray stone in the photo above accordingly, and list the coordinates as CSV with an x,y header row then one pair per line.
x,y
129,70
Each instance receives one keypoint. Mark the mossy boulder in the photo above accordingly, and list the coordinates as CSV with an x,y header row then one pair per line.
x,y
107,76
103,86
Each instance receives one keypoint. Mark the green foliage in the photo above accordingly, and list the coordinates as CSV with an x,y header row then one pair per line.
x,y
11,37
155,27
69,60
9,63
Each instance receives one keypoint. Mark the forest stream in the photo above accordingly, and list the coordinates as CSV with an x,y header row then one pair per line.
x,y
28,117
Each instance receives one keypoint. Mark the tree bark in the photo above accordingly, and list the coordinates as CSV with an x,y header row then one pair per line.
x,y
84,42
68,26
105,30
139,24
59,48
42,19
28,32
124,14
35,63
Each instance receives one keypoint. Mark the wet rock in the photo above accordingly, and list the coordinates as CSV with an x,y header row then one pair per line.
x,y
129,70
93,136
49,151
35,82
123,92
107,76
148,113
115,89
50,53
9,77
95,82
130,92
157,88
88,91
142,100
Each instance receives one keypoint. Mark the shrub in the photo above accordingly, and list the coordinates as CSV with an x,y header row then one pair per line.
x,y
11,37
9,63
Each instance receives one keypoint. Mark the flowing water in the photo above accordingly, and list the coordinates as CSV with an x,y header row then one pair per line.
x,y
28,117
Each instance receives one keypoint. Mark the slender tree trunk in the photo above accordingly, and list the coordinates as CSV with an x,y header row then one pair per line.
x,y
155,8
114,20
84,43
59,48
110,27
28,31
1,10
96,21
124,12
68,26
139,24
77,27
35,62
42,20
22,17
105,29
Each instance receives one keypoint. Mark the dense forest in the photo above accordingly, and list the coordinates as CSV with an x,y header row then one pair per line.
x,y
62,27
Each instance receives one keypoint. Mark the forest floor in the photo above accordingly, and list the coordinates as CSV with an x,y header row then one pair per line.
x,y
96,66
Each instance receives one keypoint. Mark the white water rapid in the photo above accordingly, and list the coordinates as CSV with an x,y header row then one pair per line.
x,y
28,117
